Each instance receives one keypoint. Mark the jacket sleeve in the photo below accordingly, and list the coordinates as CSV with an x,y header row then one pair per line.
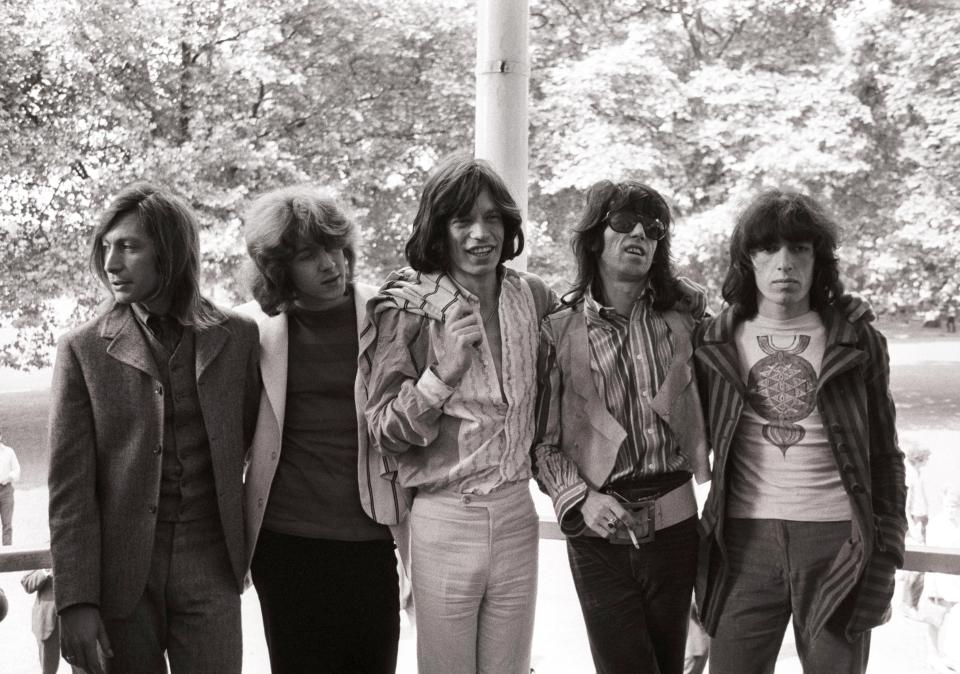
x,y
74,508
555,472
252,386
887,473
406,398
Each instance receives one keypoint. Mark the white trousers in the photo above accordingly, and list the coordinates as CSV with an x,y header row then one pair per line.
x,y
474,574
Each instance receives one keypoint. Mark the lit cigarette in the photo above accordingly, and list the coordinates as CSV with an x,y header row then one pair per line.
x,y
633,537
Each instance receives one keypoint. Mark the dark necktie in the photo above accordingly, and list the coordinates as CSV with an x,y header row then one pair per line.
x,y
165,331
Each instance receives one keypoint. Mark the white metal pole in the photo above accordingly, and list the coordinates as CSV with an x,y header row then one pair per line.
x,y
503,77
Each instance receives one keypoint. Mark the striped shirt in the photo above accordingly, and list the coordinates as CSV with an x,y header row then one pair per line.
x,y
629,358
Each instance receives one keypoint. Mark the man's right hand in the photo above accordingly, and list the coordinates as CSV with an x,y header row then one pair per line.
x,y
81,629
604,514
463,331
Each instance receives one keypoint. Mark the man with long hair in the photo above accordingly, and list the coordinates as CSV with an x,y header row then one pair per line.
x,y
153,405
324,568
620,433
805,516
447,381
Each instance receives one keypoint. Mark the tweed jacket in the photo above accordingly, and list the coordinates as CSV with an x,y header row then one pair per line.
x,y
853,398
265,453
590,437
106,435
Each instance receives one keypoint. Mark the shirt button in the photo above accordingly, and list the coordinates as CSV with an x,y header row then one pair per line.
x,y
158,449
153,509
643,394
651,431
159,390
260,502
273,456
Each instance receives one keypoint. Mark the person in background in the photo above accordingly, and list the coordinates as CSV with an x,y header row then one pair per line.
x,y
152,409
44,619
805,517
620,432
918,511
940,604
323,566
448,383
9,473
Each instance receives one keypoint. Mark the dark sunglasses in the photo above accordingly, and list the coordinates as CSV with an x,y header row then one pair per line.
x,y
653,228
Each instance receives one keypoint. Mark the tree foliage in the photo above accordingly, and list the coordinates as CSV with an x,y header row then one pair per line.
x,y
707,100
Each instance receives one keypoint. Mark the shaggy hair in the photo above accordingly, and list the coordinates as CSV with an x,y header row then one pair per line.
x,y
775,216
450,192
603,198
282,222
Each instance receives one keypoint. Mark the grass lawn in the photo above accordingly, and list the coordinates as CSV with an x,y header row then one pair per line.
x,y
23,416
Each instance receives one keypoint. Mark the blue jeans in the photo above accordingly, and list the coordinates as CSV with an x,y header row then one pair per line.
x,y
636,603
774,571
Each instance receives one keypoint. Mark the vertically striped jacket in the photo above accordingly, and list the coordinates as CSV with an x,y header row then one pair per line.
x,y
853,398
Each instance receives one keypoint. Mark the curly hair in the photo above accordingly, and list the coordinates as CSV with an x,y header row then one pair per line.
x,y
605,197
281,222
172,228
781,215
450,192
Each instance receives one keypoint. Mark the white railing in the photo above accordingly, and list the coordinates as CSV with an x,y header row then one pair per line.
x,y
918,558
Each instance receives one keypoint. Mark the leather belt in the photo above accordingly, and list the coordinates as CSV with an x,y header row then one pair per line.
x,y
655,513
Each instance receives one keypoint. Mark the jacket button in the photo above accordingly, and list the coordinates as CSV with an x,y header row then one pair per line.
x,y
260,502
841,447
467,499
273,456
848,468
836,428
159,390
158,449
857,488
153,509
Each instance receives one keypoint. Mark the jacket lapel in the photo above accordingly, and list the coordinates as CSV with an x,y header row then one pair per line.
x,y
578,347
839,355
361,294
679,374
127,342
274,344
719,352
209,344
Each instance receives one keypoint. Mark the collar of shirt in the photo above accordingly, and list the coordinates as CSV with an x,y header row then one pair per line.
x,y
144,316
606,316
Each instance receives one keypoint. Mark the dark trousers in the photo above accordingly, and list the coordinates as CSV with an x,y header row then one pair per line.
x,y
775,571
6,512
328,606
636,603
190,609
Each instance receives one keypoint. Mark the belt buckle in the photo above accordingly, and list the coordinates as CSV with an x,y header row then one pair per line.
x,y
644,512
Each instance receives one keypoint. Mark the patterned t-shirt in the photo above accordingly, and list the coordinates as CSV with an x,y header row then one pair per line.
x,y
782,466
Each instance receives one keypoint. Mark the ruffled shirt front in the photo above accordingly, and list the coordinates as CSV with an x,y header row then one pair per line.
x,y
472,438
